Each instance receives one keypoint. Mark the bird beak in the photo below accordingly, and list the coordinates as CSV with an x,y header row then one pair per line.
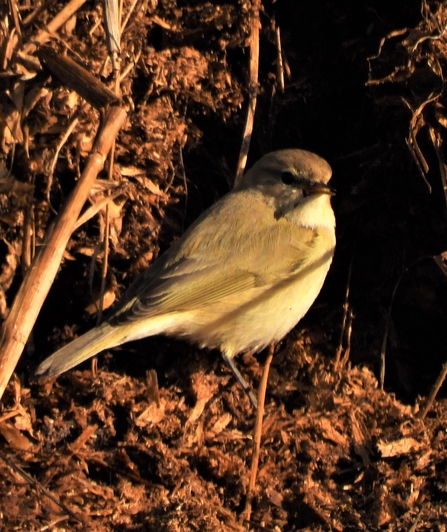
x,y
319,188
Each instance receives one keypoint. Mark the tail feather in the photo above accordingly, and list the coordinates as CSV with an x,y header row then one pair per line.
x,y
83,348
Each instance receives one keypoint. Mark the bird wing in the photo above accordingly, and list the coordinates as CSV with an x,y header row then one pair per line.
x,y
205,266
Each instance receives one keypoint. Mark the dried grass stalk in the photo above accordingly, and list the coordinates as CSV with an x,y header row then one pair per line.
x,y
37,282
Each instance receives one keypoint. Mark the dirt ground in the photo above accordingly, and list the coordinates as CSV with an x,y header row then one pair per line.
x,y
358,82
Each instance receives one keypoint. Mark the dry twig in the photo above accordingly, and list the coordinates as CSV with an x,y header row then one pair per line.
x,y
434,391
253,90
257,432
37,283
37,485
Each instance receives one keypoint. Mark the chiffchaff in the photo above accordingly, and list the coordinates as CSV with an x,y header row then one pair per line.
x,y
240,277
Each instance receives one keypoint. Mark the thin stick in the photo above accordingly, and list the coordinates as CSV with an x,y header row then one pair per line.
x,y
113,18
37,11
434,391
63,139
59,20
346,311
96,207
349,321
280,63
33,482
253,90
14,12
106,237
39,278
257,433
388,322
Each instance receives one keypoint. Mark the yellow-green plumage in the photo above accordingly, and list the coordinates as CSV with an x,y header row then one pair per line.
x,y
241,276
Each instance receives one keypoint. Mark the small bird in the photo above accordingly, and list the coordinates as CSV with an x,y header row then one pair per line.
x,y
242,275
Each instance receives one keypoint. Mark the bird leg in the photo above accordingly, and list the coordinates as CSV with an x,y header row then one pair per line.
x,y
230,363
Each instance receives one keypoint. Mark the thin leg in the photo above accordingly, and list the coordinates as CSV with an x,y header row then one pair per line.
x,y
230,363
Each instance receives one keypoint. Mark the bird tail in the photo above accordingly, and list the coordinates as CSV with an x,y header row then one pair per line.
x,y
83,348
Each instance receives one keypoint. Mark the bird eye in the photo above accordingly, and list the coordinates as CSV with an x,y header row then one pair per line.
x,y
288,178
